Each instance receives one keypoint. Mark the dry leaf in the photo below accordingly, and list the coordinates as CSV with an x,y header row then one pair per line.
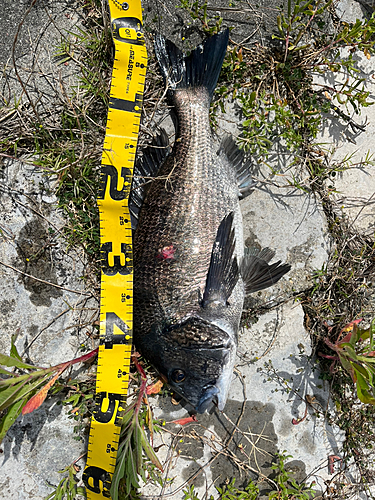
x,y
155,387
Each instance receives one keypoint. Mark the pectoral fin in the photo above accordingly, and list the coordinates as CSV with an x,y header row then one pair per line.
x,y
256,273
223,272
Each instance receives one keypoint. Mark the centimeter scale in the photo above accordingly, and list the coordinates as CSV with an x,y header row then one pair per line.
x,y
116,307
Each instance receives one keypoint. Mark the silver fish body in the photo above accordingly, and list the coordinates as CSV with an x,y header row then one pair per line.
x,y
188,245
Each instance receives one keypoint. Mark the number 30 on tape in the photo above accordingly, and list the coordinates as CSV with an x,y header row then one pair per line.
x,y
116,306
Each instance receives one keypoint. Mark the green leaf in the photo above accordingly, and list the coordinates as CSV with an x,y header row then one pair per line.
x,y
13,349
14,393
151,453
10,417
119,474
362,391
9,394
138,447
10,361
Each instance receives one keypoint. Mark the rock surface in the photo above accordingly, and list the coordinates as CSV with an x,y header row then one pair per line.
x,y
275,381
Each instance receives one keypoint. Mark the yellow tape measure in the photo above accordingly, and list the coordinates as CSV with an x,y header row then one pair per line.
x,y
116,307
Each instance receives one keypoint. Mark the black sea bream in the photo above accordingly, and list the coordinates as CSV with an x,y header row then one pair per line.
x,y
191,271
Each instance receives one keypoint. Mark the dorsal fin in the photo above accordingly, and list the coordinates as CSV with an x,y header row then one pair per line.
x,y
146,167
242,166
223,272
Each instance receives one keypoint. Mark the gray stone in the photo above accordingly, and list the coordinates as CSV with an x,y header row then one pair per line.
x,y
47,321
36,447
355,187
349,10
31,243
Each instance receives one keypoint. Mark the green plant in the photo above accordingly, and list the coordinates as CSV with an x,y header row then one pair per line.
x,y
288,488
210,26
230,491
68,488
356,353
21,392
136,456
276,88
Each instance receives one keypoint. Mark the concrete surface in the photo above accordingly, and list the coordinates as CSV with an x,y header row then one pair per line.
x,y
273,378
265,397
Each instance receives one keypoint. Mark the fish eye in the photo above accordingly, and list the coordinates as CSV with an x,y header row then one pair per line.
x,y
178,376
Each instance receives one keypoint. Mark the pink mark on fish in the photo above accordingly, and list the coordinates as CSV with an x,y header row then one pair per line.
x,y
166,253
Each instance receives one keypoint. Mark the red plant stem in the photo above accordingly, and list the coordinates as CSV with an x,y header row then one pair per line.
x,y
81,359
327,356
142,389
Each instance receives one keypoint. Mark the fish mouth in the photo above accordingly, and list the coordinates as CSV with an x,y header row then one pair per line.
x,y
210,395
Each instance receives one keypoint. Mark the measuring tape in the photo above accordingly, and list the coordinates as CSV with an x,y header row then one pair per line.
x,y
116,304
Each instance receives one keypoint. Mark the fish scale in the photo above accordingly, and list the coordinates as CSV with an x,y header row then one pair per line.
x,y
173,222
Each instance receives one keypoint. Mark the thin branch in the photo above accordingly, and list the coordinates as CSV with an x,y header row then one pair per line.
x,y
78,292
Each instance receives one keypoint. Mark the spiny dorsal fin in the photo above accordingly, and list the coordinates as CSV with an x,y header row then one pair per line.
x,y
242,166
256,273
223,271
146,167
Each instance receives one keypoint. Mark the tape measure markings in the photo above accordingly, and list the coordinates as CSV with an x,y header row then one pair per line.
x,y
116,321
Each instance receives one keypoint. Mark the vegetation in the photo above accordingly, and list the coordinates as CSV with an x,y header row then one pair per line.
x,y
286,487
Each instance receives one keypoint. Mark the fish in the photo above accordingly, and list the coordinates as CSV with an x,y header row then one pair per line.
x,y
191,268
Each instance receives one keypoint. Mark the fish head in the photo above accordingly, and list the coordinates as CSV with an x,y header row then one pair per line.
x,y
197,358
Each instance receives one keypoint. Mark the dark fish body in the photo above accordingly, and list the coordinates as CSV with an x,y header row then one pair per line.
x,y
190,272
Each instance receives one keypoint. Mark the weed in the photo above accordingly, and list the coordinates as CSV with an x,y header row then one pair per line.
x,y
133,443
277,88
357,357
68,488
67,143
25,392
210,26
287,487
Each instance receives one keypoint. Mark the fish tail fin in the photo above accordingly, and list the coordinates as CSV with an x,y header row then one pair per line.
x,y
201,68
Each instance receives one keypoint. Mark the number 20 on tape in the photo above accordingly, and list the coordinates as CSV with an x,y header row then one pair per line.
x,y
116,304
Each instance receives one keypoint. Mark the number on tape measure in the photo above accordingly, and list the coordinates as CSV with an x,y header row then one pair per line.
x,y
120,145
116,264
109,172
97,480
114,403
111,338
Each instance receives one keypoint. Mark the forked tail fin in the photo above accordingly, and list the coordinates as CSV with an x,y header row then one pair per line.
x,y
201,68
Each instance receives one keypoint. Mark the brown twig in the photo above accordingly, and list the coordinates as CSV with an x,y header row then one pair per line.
x,y
78,292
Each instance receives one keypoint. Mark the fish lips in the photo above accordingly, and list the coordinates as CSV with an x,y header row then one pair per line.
x,y
215,391
209,396
218,393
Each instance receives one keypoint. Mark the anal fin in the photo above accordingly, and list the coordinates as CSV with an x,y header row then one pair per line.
x,y
223,272
256,271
